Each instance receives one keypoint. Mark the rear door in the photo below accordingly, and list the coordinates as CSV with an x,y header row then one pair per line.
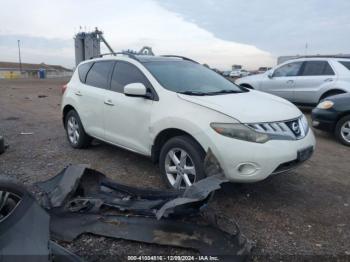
x,y
91,96
127,119
313,75
282,81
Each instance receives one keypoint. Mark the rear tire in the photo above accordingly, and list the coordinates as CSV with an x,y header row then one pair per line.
x,y
76,134
181,162
342,130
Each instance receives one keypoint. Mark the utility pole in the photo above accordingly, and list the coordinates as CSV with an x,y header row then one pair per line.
x,y
19,56
306,47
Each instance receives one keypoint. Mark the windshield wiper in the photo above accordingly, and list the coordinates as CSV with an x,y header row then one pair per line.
x,y
196,93
193,93
224,92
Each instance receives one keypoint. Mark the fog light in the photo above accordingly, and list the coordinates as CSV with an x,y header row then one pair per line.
x,y
247,169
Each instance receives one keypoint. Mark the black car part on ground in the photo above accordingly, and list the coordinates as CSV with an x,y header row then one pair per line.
x,y
78,188
207,239
82,200
24,228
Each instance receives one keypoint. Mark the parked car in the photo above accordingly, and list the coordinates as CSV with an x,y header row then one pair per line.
x,y
239,73
226,73
263,69
303,81
333,115
174,110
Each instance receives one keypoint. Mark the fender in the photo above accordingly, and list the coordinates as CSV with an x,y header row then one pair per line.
x,y
337,86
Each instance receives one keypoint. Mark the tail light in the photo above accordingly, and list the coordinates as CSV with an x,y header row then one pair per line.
x,y
64,87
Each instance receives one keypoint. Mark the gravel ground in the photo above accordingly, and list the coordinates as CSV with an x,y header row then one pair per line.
x,y
303,214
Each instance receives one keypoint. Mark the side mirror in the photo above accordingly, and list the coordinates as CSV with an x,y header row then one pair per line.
x,y
135,89
270,74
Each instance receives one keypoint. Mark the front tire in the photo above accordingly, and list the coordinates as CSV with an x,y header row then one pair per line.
x,y
342,130
76,135
181,162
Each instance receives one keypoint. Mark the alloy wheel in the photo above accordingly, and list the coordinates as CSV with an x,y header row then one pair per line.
x,y
345,131
8,203
73,130
180,169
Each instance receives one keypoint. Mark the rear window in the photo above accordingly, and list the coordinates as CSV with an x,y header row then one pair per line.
x,y
98,75
83,70
346,64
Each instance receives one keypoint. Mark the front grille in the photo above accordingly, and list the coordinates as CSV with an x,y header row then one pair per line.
x,y
284,130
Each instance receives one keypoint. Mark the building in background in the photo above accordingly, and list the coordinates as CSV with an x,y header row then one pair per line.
x,y
11,70
236,67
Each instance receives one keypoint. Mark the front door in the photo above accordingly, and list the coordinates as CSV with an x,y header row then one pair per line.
x,y
127,119
281,83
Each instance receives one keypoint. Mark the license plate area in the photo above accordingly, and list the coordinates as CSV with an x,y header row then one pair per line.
x,y
305,154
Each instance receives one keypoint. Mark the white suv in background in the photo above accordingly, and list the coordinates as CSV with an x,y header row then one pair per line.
x,y
174,109
303,81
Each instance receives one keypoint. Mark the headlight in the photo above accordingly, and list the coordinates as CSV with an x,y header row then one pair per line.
x,y
325,105
240,131
305,124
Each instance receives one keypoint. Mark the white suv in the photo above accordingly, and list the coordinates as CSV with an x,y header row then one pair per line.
x,y
303,81
174,109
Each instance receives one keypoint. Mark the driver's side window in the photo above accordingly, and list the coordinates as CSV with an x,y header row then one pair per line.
x,y
290,69
126,73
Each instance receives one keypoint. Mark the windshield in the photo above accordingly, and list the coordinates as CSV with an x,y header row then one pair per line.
x,y
190,78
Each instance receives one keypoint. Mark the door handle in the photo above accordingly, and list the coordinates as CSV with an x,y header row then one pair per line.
x,y
78,93
290,81
109,102
328,79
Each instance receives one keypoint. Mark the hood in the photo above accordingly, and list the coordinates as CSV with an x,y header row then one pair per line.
x,y
249,78
248,107
339,98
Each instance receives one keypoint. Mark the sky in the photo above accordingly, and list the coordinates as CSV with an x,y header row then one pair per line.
x,y
220,33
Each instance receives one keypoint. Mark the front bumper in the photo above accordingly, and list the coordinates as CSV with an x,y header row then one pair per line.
x,y
324,119
272,157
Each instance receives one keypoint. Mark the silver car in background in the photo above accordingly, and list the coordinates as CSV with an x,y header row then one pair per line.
x,y
303,81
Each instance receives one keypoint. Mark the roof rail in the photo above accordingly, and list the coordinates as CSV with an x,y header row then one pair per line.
x,y
184,58
130,55
321,56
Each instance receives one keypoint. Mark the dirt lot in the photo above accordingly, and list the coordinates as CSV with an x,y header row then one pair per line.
x,y
306,212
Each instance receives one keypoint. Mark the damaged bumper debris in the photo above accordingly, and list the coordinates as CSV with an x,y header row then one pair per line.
x,y
24,228
82,200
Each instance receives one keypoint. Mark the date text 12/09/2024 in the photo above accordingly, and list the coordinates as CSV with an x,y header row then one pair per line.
x,y
173,258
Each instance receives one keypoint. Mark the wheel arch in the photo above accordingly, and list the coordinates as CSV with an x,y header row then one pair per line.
x,y
329,92
163,136
65,111
247,86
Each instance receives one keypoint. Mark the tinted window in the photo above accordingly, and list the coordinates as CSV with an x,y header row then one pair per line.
x,y
83,70
317,68
98,75
185,76
346,64
291,69
125,73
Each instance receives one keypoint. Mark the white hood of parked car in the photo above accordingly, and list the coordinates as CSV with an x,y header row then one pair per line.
x,y
248,107
250,78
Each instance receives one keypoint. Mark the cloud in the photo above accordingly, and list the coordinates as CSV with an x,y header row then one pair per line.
x,y
131,24
280,27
